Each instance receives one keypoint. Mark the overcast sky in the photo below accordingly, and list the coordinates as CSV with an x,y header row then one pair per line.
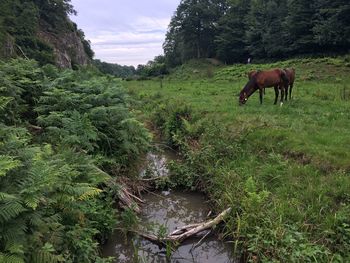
x,y
127,32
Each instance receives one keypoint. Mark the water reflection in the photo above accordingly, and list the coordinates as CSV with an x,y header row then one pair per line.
x,y
171,211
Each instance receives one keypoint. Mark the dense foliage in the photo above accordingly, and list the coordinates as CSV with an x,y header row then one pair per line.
x,y
61,134
155,67
114,69
233,30
20,21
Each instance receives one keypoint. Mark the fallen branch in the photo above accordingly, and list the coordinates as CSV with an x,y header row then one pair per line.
x,y
151,179
135,197
126,200
200,241
187,231
183,229
201,227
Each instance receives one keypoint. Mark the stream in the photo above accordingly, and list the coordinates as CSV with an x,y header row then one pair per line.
x,y
164,211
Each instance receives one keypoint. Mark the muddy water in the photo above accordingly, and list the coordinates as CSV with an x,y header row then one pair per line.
x,y
164,211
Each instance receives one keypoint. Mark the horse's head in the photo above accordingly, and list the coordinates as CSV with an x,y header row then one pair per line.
x,y
248,90
243,97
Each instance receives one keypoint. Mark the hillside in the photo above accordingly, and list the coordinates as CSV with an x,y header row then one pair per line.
x,y
42,30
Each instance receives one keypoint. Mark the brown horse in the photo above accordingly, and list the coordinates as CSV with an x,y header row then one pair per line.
x,y
290,72
276,78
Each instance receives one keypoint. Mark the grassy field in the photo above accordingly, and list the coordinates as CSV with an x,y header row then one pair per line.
x,y
284,170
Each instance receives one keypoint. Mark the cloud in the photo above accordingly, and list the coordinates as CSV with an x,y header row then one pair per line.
x,y
125,32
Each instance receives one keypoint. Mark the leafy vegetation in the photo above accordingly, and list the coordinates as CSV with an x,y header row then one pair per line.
x,y
233,30
283,170
63,135
115,69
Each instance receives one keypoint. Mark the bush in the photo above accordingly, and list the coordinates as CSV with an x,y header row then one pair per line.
x,y
55,203
91,115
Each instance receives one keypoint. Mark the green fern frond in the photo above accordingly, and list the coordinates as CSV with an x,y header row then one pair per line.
x,y
14,248
13,231
7,164
5,197
4,101
31,201
10,210
87,192
46,257
9,258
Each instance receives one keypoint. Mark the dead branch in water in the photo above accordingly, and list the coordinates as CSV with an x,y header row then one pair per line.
x,y
200,241
128,200
151,179
185,232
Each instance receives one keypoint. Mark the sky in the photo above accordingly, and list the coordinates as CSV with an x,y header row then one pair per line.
x,y
127,32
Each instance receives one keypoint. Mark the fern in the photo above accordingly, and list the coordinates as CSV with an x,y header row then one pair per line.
x,y
52,206
8,258
88,192
9,210
7,164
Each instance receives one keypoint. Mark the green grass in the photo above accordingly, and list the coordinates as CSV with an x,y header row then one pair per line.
x,y
284,170
316,122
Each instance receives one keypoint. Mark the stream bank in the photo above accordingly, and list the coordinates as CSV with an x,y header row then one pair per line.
x,y
163,212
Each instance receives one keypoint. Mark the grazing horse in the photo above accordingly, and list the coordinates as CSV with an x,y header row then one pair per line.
x,y
276,78
290,72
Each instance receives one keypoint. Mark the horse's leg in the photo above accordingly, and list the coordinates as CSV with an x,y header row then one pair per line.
x,y
276,94
290,91
264,91
261,94
286,93
282,94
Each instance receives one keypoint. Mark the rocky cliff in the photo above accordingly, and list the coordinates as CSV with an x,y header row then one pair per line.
x,y
67,47
42,30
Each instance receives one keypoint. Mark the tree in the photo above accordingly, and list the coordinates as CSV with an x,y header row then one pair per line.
x,y
232,30
332,24
230,40
193,28
299,24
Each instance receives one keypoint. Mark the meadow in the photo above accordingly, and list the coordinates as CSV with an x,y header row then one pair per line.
x,y
284,170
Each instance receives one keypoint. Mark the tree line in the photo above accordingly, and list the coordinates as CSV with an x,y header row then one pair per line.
x,y
233,30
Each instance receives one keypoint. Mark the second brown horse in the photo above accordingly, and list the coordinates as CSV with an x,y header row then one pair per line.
x,y
276,78
290,72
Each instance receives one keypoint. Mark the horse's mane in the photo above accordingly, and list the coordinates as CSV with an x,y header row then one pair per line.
x,y
250,84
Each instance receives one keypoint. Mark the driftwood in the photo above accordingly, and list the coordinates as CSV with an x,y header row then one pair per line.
x,y
200,241
185,232
151,179
128,200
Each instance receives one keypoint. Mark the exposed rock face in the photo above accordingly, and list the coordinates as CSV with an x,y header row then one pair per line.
x,y
8,48
68,48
